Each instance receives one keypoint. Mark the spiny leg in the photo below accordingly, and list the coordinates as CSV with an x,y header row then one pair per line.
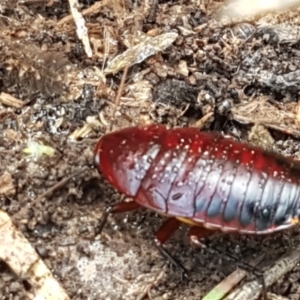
x,y
167,229
117,208
197,233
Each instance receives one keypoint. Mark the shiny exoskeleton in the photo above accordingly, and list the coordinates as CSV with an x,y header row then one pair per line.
x,y
202,179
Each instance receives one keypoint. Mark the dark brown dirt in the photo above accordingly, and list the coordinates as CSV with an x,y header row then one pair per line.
x,y
228,66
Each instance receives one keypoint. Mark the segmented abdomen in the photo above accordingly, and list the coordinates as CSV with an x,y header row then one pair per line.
x,y
203,177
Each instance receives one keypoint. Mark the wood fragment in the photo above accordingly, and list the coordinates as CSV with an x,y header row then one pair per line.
x,y
7,186
82,31
11,101
89,11
200,123
183,68
140,91
297,119
81,132
21,257
272,296
260,136
138,53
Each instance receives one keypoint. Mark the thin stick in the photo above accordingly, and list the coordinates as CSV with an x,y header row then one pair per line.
x,y
118,98
58,185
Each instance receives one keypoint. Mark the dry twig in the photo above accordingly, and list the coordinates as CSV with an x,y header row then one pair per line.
x,y
118,98
58,185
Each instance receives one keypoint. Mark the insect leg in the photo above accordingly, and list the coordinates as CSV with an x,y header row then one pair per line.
x,y
117,208
162,235
196,233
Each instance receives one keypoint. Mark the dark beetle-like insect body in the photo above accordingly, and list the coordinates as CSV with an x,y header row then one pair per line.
x,y
202,178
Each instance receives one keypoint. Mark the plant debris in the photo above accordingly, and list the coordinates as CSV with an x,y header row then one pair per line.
x,y
148,46
252,290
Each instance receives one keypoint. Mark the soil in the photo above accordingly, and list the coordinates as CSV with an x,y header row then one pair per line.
x,y
237,78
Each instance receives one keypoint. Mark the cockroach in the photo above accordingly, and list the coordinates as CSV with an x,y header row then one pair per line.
x,y
200,178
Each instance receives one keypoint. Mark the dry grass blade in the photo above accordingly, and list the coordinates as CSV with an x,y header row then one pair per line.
x,y
225,286
252,290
